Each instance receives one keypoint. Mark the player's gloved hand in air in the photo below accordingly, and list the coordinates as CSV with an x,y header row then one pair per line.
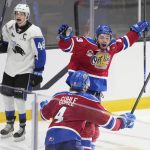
x,y
36,78
140,26
43,104
127,120
65,32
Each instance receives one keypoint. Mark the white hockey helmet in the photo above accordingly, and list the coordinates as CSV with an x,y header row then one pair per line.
x,y
23,8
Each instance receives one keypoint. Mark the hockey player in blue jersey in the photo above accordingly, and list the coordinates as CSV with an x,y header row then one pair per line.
x,y
25,47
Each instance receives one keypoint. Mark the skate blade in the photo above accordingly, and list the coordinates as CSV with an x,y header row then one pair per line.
x,y
19,138
6,136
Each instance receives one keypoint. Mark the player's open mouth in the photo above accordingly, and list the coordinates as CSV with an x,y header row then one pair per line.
x,y
104,45
18,20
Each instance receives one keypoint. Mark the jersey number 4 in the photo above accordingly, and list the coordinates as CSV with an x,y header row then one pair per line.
x,y
59,116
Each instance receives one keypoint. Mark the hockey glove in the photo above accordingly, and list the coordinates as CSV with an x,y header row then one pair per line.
x,y
36,78
43,104
3,46
1,42
141,26
65,32
127,120
1,38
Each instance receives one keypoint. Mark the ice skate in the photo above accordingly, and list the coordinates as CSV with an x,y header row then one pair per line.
x,y
7,131
19,135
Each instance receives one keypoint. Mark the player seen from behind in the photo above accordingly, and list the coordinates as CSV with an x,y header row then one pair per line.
x,y
70,111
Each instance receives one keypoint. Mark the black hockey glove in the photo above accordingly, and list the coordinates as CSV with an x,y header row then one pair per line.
x,y
3,45
1,40
36,78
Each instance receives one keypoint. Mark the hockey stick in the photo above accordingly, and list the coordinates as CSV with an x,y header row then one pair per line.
x,y
144,39
3,14
140,94
7,3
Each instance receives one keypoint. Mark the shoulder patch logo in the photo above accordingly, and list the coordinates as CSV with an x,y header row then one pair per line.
x,y
90,53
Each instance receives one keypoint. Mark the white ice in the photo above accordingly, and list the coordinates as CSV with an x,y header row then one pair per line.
x,y
137,138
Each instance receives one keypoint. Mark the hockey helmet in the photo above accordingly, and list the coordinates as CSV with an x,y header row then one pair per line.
x,y
23,8
103,29
80,80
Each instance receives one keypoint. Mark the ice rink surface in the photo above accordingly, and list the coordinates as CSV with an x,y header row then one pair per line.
x,y
137,138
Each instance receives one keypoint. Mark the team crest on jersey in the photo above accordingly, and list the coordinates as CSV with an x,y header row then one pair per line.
x,y
90,53
100,60
19,50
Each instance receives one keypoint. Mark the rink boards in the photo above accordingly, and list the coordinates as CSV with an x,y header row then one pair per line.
x,y
124,83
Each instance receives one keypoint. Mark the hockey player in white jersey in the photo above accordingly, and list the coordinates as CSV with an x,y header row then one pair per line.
x,y
25,47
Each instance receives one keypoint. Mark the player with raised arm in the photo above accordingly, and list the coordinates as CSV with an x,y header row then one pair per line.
x,y
95,55
25,47
69,112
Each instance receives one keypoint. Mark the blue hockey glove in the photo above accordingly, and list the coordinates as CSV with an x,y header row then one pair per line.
x,y
127,120
43,104
65,32
141,26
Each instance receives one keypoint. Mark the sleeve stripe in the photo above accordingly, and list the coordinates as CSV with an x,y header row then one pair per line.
x,y
113,41
43,118
107,122
110,123
70,48
126,42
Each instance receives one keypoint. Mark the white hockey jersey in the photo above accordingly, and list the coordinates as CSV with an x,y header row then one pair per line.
x,y
22,48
